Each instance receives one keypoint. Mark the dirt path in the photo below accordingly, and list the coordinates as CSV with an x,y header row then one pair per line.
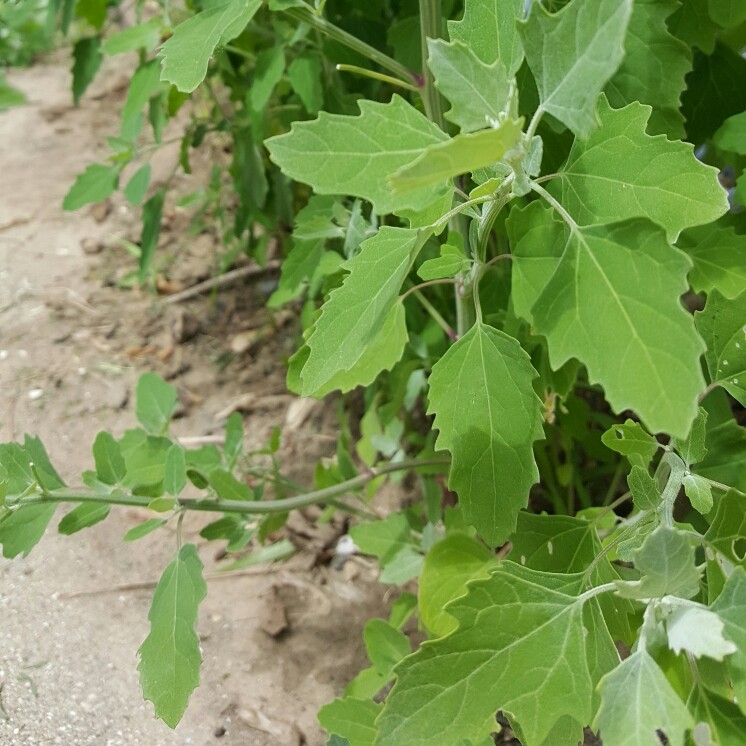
x,y
70,352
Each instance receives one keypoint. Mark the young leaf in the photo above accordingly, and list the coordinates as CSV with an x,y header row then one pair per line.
x,y
352,719
83,516
22,530
699,492
461,154
666,563
572,54
488,415
730,606
448,566
646,352
187,53
86,62
355,313
478,92
37,455
144,36
621,172
138,185
525,644
228,487
174,478
145,528
339,154
644,489
697,630
649,46
95,184
143,85
692,449
722,325
631,441
385,645
152,211
170,655
155,403
717,253
489,28
107,454
451,261
637,703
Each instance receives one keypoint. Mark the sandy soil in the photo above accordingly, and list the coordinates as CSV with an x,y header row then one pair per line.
x,y
70,352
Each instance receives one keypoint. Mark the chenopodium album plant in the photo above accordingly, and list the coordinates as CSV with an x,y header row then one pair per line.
x,y
581,312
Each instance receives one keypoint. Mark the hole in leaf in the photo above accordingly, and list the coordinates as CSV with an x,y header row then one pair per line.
x,y
739,549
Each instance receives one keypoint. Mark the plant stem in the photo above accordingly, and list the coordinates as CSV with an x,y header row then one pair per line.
x,y
431,23
377,76
308,16
430,308
234,506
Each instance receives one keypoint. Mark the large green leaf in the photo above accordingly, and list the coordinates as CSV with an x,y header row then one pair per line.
x,y
170,656
356,312
187,53
692,24
22,530
489,28
355,155
722,325
478,92
622,172
488,416
572,54
463,153
719,257
637,702
526,644
730,606
353,719
654,67
728,13
613,303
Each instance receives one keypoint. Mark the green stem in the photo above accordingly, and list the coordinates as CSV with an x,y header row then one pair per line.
x,y
308,16
431,23
430,308
377,76
235,506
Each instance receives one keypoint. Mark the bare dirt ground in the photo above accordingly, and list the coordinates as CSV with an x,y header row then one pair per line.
x,y
71,349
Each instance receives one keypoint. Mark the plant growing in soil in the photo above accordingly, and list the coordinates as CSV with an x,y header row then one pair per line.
x,y
522,236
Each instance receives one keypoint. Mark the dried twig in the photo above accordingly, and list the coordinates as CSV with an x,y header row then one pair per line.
x,y
221,281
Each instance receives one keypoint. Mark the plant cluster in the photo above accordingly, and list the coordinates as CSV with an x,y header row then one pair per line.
x,y
533,222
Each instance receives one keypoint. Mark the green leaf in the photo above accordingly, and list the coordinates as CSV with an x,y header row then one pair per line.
x,y
402,609
572,54
355,155
448,566
692,24
268,70
144,36
722,325
170,656
187,53
22,530
353,719
489,417
478,92
107,454
621,172
145,461
717,253
234,437
174,478
727,13
358,311
83,516
692,449
699,492
155,403
697,630
649,46
731,136
144,84
138,185
631,441
726,723
37,455
637,702
10,96
644,489
145,528
646,352
95,184
86,62
526,644
666,563
94,11
306,76
461,154
490,29
16,461
385,645
228,487
451,261
728,528
151,230
730,606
